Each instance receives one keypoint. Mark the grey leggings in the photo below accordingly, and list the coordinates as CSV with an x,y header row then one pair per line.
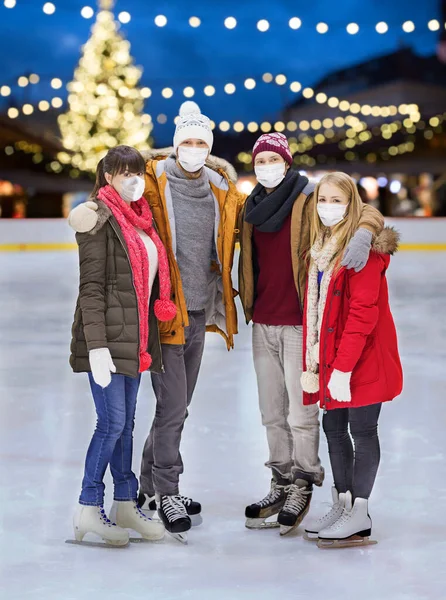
x,y
353,469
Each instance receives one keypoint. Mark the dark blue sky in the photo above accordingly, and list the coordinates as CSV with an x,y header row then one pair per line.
x,y
178,55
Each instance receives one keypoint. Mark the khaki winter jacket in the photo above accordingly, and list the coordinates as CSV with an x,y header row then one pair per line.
x,y
107,310
299,244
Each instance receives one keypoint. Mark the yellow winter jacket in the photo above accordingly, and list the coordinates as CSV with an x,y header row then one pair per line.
x,y
221,315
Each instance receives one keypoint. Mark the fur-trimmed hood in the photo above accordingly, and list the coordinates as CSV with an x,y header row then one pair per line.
x,y
387,241
213,162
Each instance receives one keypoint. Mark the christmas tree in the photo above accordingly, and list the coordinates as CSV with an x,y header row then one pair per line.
x,y
105,103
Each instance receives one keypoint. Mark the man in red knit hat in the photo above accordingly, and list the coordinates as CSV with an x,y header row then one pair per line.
x,y
275,236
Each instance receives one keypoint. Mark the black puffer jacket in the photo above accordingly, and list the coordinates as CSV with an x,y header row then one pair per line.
x,y
107,311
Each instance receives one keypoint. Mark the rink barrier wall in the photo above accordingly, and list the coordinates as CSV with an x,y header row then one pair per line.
x,y
55,235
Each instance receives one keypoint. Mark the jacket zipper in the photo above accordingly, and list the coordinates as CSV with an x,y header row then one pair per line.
x,y
325,319
133,283
167,227
163,370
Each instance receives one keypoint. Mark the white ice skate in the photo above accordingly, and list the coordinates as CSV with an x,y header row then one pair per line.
x,y
92,519
353,528
127,515
314,526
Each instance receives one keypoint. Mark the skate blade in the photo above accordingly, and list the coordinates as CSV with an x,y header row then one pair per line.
x,y
141,540
261,524
196,520
353,542
179,537
285,529
311,537
96,544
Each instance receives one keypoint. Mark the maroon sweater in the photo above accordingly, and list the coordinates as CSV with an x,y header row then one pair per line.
x,y
276,299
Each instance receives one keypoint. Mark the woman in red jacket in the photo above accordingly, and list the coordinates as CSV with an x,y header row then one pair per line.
x,y
351,360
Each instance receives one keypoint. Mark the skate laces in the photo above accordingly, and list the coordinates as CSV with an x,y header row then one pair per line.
x,y
331,513
296,498
273,495
139,512
185,500
344,518
104,517
173,507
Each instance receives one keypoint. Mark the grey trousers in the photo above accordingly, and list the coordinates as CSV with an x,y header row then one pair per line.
x,y
162,464
292,429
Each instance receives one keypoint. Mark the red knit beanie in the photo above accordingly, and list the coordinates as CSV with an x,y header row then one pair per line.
x,y
273,142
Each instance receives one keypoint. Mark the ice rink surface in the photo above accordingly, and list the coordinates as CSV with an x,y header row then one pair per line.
x,y
47,419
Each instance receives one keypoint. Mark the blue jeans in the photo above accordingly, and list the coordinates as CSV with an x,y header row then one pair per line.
x,y
112,441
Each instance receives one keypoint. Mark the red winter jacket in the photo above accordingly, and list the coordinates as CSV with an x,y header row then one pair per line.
x,y
358,333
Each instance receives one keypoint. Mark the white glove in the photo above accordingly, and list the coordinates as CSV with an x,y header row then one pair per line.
x,y
102,366
339,386
84,217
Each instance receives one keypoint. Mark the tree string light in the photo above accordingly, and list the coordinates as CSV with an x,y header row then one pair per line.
x,y
105,102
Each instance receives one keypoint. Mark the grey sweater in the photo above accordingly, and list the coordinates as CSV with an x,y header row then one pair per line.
x,y
194,210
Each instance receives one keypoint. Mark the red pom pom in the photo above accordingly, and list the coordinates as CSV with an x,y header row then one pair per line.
x,y
145,360
165,310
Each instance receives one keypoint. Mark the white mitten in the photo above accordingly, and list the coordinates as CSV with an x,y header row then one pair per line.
x,y
339,386
102,366
84,217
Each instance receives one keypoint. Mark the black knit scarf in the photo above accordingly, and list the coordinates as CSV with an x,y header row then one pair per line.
x,y
268,212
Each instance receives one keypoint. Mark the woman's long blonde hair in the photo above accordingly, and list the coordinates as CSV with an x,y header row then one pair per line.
x,y
347,228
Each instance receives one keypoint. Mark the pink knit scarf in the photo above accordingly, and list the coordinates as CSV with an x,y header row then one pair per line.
x,y
138,214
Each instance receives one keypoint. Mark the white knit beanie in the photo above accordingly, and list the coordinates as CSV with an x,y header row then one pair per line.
x,y
192,124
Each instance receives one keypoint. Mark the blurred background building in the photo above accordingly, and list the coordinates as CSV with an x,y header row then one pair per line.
x,y
380,116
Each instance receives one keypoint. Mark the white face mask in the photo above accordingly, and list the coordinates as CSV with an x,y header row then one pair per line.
x,y
270,175
192,159
132,188
331,214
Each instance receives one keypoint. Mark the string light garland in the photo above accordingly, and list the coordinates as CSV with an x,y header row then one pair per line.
x,y
250,83
357,134
295,23
411,110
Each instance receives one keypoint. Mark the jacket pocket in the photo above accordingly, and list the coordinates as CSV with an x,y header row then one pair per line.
x,y
114,313
367,368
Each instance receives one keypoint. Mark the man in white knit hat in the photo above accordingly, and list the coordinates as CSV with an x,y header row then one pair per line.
x,y
187,190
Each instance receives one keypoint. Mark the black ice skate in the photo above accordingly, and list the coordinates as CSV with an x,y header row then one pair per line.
x,y
173,514
258,513
296,506
193,509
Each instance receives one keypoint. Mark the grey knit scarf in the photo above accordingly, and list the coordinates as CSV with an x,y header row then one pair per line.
x,y
195,189
194,210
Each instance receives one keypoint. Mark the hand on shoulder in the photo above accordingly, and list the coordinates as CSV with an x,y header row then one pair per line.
x,y
84,217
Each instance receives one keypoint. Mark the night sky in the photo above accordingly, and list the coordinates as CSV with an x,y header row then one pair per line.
x,y
178,55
